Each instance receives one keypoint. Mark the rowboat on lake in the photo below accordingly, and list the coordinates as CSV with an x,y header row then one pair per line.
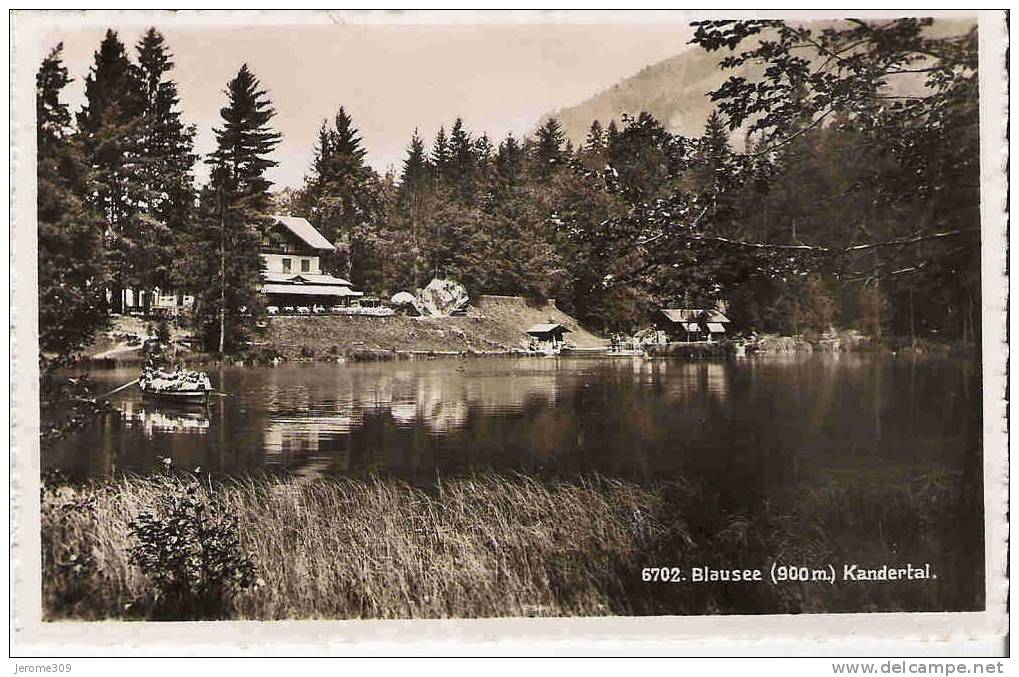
x,y
180,387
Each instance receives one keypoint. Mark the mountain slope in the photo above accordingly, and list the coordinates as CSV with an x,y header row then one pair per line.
x,y
675,91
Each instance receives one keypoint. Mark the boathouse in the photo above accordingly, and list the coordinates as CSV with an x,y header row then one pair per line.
x,y
689,325
548,337
292,276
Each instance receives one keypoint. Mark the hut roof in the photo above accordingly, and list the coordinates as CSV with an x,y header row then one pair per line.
x,y
546,328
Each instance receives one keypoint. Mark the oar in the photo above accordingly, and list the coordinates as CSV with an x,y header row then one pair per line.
x,y
117,389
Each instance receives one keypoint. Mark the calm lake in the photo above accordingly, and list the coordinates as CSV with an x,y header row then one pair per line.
x,y
746,427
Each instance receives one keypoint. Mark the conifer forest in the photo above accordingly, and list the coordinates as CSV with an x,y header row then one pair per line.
x,y
836,184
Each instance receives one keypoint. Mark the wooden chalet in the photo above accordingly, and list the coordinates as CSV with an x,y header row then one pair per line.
x,y
291,273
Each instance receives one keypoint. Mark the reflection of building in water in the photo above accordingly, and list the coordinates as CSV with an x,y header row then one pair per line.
x,y
294,435
693,380
313,443
716,381
441,401
404,413
154,419
318,426
441,415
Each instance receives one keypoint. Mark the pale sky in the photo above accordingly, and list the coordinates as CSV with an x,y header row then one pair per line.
x,y
500,77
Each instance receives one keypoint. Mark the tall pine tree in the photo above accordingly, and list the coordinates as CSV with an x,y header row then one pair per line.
x,y
72,301
717,175
595,138
462,161
440,154
110,126
341,194
548,150
167,144
415,166
509,161
234,209
404,242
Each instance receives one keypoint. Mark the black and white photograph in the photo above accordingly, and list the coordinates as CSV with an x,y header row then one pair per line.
x,y
366,316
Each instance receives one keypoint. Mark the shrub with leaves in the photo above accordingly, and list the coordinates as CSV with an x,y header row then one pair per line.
x,y
192,554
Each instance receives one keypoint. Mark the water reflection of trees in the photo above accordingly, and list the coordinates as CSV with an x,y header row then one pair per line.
x,y
307,417
133,437
571,416
755,435
744,427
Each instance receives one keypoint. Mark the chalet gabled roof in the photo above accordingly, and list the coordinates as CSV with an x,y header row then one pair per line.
x,y
305,231
681,314
715,316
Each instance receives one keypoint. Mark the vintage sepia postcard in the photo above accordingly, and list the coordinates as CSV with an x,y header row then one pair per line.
x,y
333,328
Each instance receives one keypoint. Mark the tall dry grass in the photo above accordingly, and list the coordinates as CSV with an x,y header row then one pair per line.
x,y
484,547
497,546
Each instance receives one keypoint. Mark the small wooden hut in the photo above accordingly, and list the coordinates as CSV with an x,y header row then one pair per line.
x,y
548,337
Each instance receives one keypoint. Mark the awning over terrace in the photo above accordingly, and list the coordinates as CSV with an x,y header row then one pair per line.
x,y
309,290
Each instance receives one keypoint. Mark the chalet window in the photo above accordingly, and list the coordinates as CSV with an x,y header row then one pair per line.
x,y
286,265
305,265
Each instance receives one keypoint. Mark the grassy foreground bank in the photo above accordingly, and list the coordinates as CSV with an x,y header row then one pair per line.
x,y
489,546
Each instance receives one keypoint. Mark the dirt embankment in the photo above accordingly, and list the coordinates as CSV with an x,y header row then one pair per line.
x,y
514,316
494,325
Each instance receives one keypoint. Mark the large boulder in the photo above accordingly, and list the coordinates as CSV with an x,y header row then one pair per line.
x,y
441,298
